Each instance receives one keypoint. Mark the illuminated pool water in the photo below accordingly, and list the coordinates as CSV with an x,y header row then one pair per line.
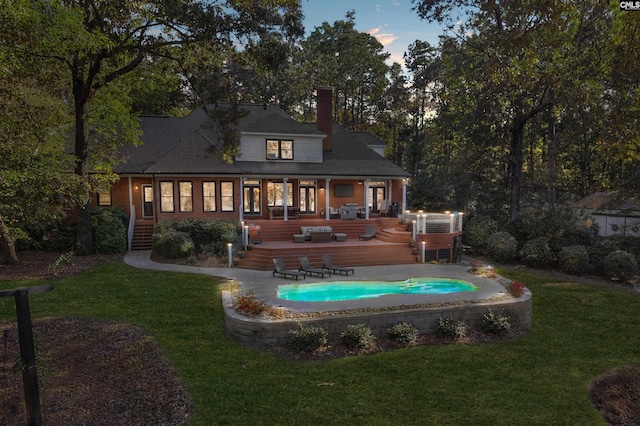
x,y
354,290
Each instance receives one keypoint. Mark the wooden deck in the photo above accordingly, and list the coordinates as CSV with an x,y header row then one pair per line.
x,y
389,247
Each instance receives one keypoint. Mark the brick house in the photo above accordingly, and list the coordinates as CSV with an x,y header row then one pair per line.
x,y
316,170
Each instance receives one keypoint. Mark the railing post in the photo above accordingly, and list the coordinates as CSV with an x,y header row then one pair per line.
x,y
451,222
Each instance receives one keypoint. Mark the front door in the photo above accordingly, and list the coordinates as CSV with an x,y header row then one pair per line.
x,y
376,196
147,201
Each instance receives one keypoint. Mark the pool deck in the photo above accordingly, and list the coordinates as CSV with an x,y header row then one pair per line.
x,y
264,285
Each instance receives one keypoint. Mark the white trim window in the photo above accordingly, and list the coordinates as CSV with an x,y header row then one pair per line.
x,y
278,149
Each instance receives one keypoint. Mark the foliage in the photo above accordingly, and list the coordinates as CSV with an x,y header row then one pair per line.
x,y
308,339
493,323
536,253
573,259
450,328
173,244
34,185
620,265
351,62
600,250
560,227
478,230
515,288
248,304
405,333
110,233
209,236
502,246
358,336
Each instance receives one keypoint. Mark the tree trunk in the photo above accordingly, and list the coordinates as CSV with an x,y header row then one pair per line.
x,y
81,93
7,244
515,166
552,149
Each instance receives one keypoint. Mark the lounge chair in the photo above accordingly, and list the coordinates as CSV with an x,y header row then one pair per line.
x,y
305,266
284,272
369,233
328,264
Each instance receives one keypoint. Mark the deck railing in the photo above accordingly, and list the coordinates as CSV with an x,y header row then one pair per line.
x,y
434,223
132,222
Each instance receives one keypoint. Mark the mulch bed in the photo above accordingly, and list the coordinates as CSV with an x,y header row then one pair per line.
x,y
92,372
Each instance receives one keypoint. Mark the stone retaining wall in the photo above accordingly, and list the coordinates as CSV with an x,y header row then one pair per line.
x,y
274,332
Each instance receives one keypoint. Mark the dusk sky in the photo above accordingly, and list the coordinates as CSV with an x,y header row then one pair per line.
x,y
392,22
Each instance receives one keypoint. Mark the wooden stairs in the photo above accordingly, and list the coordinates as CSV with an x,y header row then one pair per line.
x,y
142,236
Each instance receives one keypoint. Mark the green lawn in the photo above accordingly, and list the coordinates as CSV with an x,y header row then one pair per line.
x,y
578,333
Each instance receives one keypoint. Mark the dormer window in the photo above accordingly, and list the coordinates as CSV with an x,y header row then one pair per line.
x,y
279,149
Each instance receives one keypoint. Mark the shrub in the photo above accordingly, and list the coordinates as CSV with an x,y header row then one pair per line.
x,y
502,246
172,244
308,339
249,305
109,233
536,253
573,259
404,333
495,323
560,227
478,230
620,265
358,336
600,250
450,328
516,288
211,236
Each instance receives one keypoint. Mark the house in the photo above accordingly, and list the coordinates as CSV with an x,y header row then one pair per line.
x,y
316,170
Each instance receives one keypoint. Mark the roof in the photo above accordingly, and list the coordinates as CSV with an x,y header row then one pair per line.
x,y
190,145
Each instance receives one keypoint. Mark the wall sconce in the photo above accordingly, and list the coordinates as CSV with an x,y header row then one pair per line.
x,y
136,187
360,182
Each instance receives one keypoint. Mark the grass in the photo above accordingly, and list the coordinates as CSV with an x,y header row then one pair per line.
x,y
578,333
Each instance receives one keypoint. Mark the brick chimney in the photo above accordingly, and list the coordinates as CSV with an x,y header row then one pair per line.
x,y
325,118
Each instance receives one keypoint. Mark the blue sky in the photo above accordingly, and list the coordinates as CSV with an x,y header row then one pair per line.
x,y
392,22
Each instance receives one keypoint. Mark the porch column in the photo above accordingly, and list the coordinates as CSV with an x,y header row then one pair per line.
x,y
131,208
366,198
327,213
389,196
404,196
284,188
241,207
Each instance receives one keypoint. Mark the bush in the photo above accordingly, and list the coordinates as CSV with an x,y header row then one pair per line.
x,y
478,230
515,289
600,250
404,333
536,253
502,246
109,232
573,259
450,328
560,227
209,236
358,336
173,245
249,305
620,265
495,323
308,339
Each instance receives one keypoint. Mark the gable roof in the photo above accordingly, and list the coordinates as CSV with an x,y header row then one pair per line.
x,y
190,145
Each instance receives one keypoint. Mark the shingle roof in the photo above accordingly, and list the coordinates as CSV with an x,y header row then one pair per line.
x,y
189,145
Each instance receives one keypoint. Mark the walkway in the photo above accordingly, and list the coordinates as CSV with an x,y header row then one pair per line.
x,y
264,285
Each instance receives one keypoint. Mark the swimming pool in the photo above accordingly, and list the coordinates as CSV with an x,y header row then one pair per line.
x,y
354,290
